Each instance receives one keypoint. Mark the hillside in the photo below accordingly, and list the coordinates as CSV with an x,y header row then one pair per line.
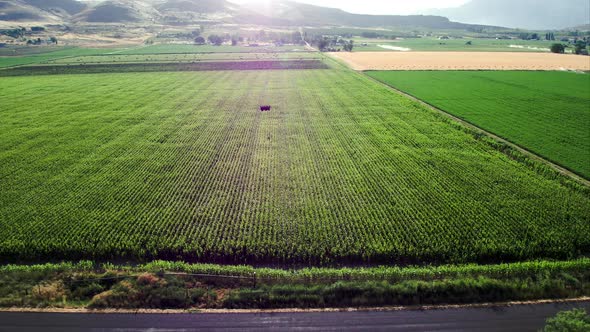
x,y
195,6
68,6
295,13
38,10
11,11
288,13
118,11
526,14
187,11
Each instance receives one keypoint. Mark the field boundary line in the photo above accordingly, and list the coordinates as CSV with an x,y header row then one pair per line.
x,y
560,169
486,305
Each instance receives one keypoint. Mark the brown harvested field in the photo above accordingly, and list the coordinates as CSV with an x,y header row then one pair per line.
x,y
463,61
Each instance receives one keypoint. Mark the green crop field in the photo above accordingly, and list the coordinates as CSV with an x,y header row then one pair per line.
x,y
185,57
545,112
190,48
102,68
39,55
457,45
182,165
26,50
162,52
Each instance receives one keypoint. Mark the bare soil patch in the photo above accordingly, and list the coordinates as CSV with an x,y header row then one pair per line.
x,y
463,61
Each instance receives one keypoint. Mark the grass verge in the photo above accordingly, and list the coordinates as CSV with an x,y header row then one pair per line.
x,y
177,285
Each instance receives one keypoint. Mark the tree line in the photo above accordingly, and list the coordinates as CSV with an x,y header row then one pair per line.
x,y
256,36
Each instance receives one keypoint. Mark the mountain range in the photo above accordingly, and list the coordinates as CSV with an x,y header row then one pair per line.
x,y
281,12
526,14
534,14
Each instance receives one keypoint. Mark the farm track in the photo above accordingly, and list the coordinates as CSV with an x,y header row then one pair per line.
x,y
558,168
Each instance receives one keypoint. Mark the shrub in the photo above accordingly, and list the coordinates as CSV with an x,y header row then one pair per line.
x,y
87,291
49,292
558,48
149,291
145,279
576,320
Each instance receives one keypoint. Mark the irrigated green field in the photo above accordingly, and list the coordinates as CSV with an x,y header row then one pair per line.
x,y
342,170
456,45
153,53
545,112
185,57
43,54
190,48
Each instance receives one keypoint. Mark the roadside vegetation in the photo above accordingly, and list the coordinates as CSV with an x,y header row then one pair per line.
x,y
178,285
576,320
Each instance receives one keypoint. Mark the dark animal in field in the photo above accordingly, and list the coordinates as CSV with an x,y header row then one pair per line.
x,y
265,108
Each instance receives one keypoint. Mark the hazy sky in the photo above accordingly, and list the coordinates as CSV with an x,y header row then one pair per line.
x,y
378,6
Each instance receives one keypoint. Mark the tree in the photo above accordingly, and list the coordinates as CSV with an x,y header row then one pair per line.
x,y
235,39
558,48
370,35
524,36
574,33
37,41
349,46
296,37
200,40
574,320
580,46
14,33
53,40
323,43
215,40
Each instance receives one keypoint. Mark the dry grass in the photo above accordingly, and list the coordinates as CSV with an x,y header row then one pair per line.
x,y
462,61
50,292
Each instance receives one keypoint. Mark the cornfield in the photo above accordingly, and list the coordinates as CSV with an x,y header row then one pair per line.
x,y
184,166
